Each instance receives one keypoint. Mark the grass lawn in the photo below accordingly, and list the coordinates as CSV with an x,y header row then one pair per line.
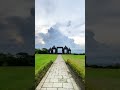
x,y
16,78
41,60
77,62
42,64
102,79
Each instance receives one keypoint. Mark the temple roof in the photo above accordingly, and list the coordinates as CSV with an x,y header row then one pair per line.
x,y
69,49
65,47
50,48
53,47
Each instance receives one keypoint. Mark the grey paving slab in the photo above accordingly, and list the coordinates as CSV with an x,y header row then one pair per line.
x,y
57,85
47,85
68,85
58,77
65,89
51,89
43,89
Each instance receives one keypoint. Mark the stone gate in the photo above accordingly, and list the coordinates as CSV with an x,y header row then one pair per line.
x,y
64,50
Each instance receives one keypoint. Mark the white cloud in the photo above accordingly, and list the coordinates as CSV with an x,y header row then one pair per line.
x,y
79,40
66,16
39,40
41,29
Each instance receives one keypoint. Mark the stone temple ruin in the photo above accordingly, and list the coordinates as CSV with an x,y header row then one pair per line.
x,y
56,50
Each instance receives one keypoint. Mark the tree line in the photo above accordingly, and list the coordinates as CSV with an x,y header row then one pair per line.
x,y
20,59
115,66
41,51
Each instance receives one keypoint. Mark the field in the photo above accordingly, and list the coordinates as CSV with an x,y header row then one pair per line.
x,y
16,78
41,60
102,79
77,62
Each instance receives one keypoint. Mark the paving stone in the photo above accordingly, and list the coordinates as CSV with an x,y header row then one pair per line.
x,y
59,76
51,76
54,80
64,76
68,80
67,85
57,84
47,85
51,88
61,89
47,80
43,89
65,89
62,80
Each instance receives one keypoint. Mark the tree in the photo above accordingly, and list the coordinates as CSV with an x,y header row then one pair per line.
x,y
41,51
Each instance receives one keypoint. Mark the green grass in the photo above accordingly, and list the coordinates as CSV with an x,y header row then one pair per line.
x,y
102,79
41,60
77,62
16,78
42,64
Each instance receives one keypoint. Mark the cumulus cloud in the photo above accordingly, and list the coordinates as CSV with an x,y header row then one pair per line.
x,y
55,37
39,40
41,29
75,31
56,20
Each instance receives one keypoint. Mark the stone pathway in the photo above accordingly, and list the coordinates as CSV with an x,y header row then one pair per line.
x,y
58,77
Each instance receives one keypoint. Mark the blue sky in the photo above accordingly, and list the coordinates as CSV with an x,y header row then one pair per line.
x,y
60,22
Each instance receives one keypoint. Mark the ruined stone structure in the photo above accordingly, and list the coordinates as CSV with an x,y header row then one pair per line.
x,y
54,50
